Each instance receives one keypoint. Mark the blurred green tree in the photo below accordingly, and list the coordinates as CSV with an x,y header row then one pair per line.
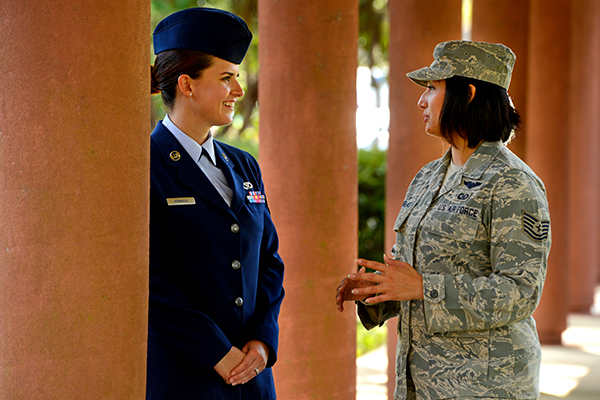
x,y
372,168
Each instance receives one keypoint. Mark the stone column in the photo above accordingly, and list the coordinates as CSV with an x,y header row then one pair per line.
x,y
307,94
508,25
74,173
414,32
547,141
584,155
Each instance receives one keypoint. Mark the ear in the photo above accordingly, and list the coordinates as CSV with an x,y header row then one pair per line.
x,y
472,90
184,84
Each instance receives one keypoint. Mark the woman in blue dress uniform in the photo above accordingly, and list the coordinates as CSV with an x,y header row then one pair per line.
x,y
215,272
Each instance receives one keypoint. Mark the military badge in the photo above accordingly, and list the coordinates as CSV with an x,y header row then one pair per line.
x,y
463,196
534,228
175,156
471,184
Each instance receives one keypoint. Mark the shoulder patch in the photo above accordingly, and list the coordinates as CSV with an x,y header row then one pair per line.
x,y
536,229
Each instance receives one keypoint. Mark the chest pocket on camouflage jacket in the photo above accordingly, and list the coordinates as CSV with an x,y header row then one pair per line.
x,y
456,216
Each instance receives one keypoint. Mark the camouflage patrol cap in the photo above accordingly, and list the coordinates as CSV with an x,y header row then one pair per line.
x,y
489,62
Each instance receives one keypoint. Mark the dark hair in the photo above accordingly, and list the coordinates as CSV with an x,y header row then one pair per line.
x,y
169,65
488,117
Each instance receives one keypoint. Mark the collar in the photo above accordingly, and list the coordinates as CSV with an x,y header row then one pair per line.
x,y
473,169
481,159
190,145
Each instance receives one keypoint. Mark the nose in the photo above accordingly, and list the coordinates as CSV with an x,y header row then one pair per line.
x,y
422,103
237,90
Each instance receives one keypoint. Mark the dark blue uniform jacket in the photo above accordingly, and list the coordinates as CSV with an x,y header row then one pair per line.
x,y
215,274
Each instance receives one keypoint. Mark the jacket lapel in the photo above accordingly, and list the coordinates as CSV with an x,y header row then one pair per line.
x,y
188,172
479,161
438,176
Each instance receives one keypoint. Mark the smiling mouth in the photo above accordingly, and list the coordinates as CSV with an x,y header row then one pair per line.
x,y
229,104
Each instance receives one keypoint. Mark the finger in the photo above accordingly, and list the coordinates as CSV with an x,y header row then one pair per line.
x,y
366,291
345,283
339,303
341,299
248,377
392,261
243,375
345,292
244,365
367,277
247,369
396,263
377,299
242,378
371,264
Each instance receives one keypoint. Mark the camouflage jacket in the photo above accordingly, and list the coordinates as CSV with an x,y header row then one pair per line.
x,y
481,243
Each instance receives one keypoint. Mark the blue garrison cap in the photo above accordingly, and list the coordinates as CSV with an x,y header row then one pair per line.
x,y
215,32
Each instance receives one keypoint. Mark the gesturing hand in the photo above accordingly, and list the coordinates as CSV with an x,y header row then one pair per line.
x,y
345,290
397,281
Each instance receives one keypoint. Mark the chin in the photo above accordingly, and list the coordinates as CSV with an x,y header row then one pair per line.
x,y
225,122
434,134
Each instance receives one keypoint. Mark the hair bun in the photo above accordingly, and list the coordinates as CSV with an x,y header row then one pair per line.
x,y
154,89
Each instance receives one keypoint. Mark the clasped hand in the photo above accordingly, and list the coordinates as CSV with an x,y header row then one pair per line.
x,y
240,366
396,280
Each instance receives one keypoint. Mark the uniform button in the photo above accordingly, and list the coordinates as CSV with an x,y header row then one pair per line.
x,y
239,301
236,264
433,294
235,228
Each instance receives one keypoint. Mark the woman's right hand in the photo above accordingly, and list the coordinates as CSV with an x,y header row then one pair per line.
x,y
344,290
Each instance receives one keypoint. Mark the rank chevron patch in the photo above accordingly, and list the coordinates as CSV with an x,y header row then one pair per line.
x,y
534,228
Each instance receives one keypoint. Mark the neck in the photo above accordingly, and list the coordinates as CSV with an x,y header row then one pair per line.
x,y
461,152
188,125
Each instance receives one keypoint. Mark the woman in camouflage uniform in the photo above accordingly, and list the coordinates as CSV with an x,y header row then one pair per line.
x,y
473,237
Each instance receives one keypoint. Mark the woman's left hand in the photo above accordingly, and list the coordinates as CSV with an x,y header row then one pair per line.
x,y
257,354
397,281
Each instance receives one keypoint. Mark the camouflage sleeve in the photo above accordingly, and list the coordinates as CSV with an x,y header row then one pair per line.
x,y
375,315
517,223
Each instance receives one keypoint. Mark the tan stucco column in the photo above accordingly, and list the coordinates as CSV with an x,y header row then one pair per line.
x,y
584,155
74,126
414,32
507,24
546,150
307,96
